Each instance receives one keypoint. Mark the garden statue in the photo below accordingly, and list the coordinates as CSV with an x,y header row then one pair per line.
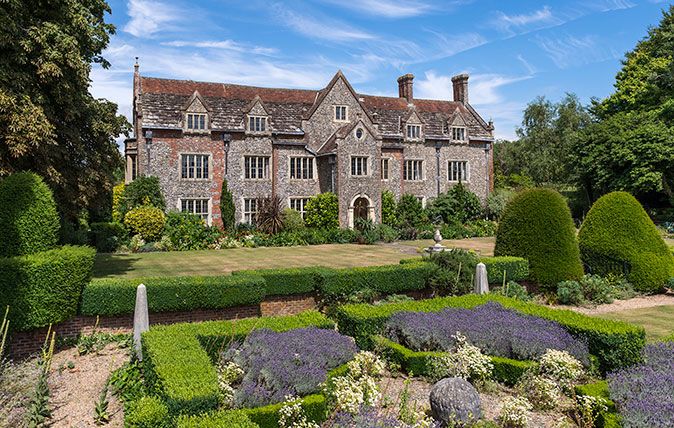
x,y
481,279
437,237
141,319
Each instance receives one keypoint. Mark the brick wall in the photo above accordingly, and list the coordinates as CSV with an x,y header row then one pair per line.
x,y
28,342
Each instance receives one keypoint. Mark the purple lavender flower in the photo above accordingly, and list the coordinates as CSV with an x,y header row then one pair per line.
x,y
295,362
644,394
494,329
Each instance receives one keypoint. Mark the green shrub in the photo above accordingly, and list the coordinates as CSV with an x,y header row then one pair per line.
x,y
141,191
322,211
388,208
515,268
479,228
608,419
148,412
616,230
188,231
410,212
117,296
314,407
230,419
280,282
146,221
453,273
178,358
458,204
107,237
537,225
292,220
335,285
227,209
44,288
117,195
616,344
29,222
497,201
570,293
513,290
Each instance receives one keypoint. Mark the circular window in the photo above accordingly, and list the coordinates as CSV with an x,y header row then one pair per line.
x,y
359,133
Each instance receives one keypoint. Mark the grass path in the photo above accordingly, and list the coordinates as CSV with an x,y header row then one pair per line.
x,y
657,320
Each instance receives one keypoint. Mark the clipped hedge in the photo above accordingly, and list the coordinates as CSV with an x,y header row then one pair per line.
x,y
515,268
537,225
148,412
618,229
230,419
177,358
616,344
335,284
315,409
608,419
506,370
117,296
29,222
44,288
283,282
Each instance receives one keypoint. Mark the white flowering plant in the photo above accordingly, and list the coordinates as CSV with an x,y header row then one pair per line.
x,y
291,414
229,374
467,362
588,409
359,386
543,393
515,413
562,367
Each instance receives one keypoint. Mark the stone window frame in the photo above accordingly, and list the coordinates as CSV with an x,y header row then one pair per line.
x,y
244,212
387,169
346,113
407,132
466,173
423,169
313,167
180,166
267,128
355,133
299,198
209,217
465,133
368,171
255,155
207,123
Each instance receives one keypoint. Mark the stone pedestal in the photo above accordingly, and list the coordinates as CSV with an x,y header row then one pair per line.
x,y
141,319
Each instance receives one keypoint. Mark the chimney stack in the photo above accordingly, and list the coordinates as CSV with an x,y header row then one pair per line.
x,y
460,84
405,87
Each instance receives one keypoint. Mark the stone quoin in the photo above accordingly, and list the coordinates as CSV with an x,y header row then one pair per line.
x,y
296,143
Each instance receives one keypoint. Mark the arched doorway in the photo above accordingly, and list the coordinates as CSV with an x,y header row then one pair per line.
x,y
361,209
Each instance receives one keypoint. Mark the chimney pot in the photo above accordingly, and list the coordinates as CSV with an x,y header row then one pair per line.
x,y
406,87
460,86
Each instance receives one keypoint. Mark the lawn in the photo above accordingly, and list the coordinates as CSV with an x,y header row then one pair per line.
x,y
657,320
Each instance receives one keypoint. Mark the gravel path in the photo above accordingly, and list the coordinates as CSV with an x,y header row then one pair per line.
x,y
623,305
74,392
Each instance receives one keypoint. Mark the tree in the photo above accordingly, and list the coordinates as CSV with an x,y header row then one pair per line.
x,y
322,211
410,212
388,208
141,191
49,122
227,210
457,205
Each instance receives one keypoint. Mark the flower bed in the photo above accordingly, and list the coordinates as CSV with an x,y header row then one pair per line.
x,y
644,394
497,331
615,344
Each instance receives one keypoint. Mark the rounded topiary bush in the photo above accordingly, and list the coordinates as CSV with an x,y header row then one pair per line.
x,y
29,222
537,225
617,229
146,221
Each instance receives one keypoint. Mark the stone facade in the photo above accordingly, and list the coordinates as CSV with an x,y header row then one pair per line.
x,y
256,138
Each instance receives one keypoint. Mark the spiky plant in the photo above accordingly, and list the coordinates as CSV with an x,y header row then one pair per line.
x,y
270,215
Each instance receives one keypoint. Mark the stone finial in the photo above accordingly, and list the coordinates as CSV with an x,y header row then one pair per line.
x,y
136,66
141,319
481,279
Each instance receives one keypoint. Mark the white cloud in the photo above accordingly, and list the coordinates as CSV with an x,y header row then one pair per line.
x,y
386,8
571,51
319,27
148,17
223,44
524,22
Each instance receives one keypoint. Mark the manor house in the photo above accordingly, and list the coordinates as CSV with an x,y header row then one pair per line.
x,y
296,143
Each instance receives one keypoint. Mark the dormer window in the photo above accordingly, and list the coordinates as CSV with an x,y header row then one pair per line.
x,y
413,132
257,123
458,133
341,113
196,121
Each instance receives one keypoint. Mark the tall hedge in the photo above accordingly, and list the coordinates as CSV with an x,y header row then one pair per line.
x,y
618,229
227,210
29,222
537,225
44,288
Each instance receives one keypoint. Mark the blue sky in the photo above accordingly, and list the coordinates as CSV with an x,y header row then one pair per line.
x,y
513,50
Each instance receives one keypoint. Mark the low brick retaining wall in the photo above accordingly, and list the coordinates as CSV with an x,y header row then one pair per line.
x,y
24,343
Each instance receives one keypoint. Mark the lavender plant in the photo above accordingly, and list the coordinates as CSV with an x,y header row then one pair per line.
x,y
644,394
497,331
294,363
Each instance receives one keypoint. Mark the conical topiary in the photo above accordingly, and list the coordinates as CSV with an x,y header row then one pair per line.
x,y
616,230
537,225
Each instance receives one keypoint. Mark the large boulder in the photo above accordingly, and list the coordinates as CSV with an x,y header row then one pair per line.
x,y
455,402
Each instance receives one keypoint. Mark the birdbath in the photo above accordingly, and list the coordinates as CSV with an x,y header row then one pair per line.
x,y
437,237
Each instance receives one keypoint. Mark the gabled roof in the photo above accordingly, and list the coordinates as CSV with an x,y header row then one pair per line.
x,y
196,96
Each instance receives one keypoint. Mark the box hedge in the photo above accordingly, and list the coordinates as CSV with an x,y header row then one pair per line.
x,y
229,419
29,222
44,288
515,268
617,229
616,344
148,412
178,358
537,225
506,370
608,419
117,296
282,282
